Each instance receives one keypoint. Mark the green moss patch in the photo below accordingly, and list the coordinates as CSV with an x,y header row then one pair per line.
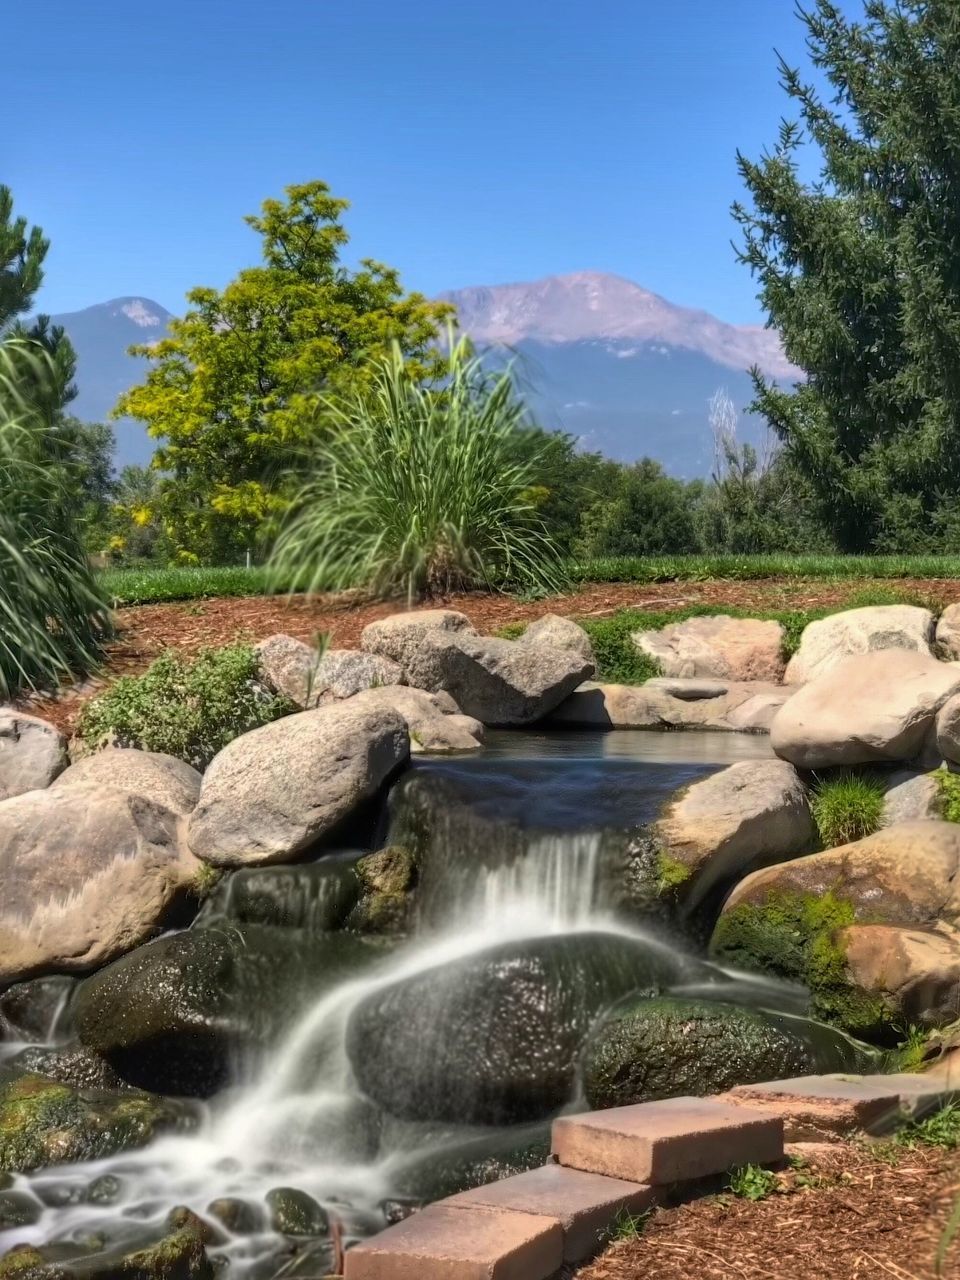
x,y
949,784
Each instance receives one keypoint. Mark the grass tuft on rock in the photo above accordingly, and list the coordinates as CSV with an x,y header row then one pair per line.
x,y
847,806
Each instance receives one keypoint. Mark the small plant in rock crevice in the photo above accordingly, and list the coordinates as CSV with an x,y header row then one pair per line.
x,y
949,784
846,807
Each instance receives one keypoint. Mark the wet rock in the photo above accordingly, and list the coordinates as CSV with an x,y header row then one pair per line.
x,y
828,641
37,1009
665,1048
439,1169
17,1209
513,1022
86,872
316,896
32,753
721,647
294,1213
498,682
239,1217
873,707
173,1015
272,793
432,727
177,1256
559,633
70,1064
104,1190
387,878
163,779
312,1260
44,1123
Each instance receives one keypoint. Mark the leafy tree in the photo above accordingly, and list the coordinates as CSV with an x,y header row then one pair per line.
x,y
644,512
860,271
232,391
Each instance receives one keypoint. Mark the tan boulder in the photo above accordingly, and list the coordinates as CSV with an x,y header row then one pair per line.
x,y
743,707
161,778
299,672
32,753
559,633
948,633
722,647
433,726
830,640
915,972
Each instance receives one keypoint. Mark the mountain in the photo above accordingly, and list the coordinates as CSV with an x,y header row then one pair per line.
x,y
623,369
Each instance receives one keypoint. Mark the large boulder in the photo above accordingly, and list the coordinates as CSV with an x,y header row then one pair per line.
x,y
669,1047
499,682
495,1037
789,920
915,973
304,676
86,872
317,896
272,793
911,797
174,1015
948,729
747,815
948,633
875,707
32,753
830,640
559,633
731,706
433,728
160,778
720,647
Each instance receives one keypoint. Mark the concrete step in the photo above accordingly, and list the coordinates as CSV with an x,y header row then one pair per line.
x,y
812,1106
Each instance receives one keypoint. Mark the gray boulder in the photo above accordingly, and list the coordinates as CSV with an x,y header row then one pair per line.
x,y
559,633
499,682
86,872
725,705
873,707
433,728
272,793
911,797
298,672
722,647
948,633
32,753
161,778
828,641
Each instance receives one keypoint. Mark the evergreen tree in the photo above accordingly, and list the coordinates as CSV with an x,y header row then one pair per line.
x,y
860,271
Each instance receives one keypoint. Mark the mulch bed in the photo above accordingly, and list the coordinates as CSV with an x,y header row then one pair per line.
x,y
145,631
864,1219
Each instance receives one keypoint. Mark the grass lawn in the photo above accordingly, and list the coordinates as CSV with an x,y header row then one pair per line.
x,y
155,585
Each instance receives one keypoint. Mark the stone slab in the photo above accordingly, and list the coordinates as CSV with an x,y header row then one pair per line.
x,y
585,1204
446,1243
813,1105
919,1093
675,1140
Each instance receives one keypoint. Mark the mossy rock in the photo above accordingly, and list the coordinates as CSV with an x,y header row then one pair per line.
x,y
663,1048
43,1122
179,1255
472,1162
797,936
387,882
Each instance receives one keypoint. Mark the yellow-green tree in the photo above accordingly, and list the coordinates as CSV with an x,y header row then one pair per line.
x,y
232,390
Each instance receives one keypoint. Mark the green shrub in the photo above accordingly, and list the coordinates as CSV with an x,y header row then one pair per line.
x,y
949,784
188,709
847,807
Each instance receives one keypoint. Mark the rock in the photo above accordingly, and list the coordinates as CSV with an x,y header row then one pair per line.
x,y
948,633
36,1010
514,1020
300,673
674,704
178,1255
86,872
240,1217
17,1209
746,816
788,920
499,682
44,1123
874,707
70,1064
316,896
32,753
294,1213
911,797
948,729
665,1048
163,779
559,633
272,793
915,973
432,728
435,1171
720,646
830,640
173,1015
388,878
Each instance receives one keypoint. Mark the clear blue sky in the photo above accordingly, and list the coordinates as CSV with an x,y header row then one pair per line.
x,y
478,143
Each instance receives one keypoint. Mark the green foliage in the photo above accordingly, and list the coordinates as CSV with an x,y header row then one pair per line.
x,y
627,1225
857,270
416,488
748,568
911,1052
671,873
949,784
618,660
188,709
234,387
847,806
642,511
753,1182
941,1129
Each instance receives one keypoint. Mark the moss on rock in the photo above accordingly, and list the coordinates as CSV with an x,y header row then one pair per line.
x,y
387,880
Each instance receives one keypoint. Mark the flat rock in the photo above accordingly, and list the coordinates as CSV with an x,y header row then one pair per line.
x,y
728,706
86,872
32,753
720,646
161,778
830,640
872,707
272,793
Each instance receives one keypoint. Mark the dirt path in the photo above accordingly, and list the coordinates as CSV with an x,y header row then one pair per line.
x,y
862,1219
145,631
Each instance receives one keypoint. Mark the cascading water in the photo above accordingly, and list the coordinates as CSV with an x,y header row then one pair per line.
x,y
513,866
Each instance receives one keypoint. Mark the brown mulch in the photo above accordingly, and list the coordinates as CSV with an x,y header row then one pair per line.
x,y
145,631
863,1219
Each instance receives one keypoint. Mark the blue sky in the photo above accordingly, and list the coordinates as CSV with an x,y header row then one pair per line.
x,y
478,144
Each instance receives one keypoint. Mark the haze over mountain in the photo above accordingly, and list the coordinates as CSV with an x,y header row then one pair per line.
x,y
626,371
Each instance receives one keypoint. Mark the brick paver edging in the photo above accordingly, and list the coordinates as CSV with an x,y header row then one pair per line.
x,y
607,1163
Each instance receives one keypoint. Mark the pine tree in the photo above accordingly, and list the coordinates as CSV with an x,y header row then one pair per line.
x,y
860,272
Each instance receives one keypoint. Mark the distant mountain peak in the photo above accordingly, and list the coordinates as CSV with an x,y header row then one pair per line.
x,y
144,313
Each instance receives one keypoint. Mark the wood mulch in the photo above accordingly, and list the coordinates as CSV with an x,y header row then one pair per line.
x,y
145,631
863,1218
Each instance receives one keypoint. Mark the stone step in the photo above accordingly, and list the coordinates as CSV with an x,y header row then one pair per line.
x,y
676,1140
585,1205
447,1243
811,1106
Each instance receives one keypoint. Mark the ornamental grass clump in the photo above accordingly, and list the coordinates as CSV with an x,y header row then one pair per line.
x,y
53,616
847,807
417,489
